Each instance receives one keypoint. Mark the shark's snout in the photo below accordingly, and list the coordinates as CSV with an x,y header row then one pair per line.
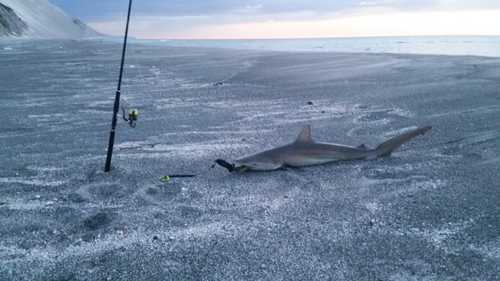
x,y
253,163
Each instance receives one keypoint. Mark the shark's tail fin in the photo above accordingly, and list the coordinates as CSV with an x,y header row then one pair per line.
x,y
387,147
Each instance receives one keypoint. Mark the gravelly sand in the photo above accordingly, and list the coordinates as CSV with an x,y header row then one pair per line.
x,y
429,212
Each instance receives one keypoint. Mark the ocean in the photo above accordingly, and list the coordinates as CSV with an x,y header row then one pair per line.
x,y
435,45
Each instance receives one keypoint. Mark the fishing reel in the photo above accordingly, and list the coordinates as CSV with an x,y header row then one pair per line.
x,y
133,115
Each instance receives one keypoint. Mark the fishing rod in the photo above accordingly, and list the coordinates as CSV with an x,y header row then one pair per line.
x,y
107,167
133,115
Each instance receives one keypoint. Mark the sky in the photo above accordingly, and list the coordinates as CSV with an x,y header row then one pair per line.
x,y
265,19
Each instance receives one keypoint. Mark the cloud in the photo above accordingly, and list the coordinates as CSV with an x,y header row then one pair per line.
x,y
184,18
98,10
110,10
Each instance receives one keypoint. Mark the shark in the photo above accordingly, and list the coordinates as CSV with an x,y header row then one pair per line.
x,y
304,151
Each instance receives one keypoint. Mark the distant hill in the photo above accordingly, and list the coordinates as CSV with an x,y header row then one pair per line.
x,y
40,19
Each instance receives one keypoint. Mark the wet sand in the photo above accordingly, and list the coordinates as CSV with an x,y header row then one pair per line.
x,y
430,211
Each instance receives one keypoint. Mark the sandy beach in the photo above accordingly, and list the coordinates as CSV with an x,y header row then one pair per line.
x,y
430,211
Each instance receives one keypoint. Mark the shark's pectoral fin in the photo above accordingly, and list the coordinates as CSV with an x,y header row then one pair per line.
x,y
289,169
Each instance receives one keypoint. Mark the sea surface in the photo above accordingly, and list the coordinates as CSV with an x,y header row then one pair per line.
x,y
435,45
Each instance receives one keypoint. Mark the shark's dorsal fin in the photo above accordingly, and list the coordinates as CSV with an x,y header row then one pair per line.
x,y
362,146
305,135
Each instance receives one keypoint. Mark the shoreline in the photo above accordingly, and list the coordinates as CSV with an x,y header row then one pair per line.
x,y
481,46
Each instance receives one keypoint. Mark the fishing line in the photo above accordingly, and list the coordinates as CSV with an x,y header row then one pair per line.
x,y
166,178
141,75
133,114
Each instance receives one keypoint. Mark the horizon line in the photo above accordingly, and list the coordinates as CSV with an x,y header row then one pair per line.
x,y
306,38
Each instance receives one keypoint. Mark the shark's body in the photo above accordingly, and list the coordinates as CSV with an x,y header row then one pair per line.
x,y
304,151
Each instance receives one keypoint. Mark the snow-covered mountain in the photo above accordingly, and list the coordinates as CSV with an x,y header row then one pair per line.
x,y
40,19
